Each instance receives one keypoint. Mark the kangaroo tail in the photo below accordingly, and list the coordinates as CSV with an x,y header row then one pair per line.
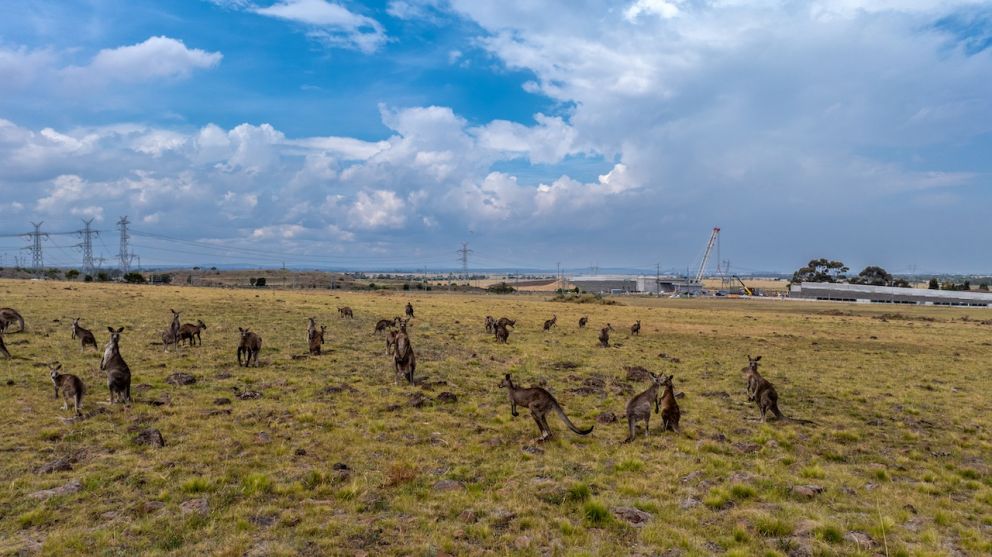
x,y
20,321
568,422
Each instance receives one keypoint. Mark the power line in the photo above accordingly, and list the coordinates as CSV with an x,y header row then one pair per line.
x,y
86,245
37,257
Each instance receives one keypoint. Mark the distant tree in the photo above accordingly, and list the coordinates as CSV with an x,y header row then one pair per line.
x,y
821,270
966,286
901,283
71,274
501,288
252,281
260,282
53,273
874,276
406,286
102,276
88,278
933,284
134,278
984,287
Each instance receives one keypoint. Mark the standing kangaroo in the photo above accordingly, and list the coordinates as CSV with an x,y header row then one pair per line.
x,y
502,333
604,336
316,340
540,402
85,336
635,329
404,357
763,393
8,316
490,324
3,348
69,386
113,364
391,342
670,413
639,407
346,312
506,322
551,322
311,328
583,321
249,345
409,310
190,331
171,335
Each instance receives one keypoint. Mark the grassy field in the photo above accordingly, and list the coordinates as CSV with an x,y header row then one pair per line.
x,y
336,458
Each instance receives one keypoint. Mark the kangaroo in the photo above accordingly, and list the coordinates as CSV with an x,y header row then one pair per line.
x,y
635,329
490,324
113,364
506,322
540,402
383,324
502,333
583,321
763,393
604,336
551,322
670,413
85,336
404,357
171,335
409,310
70,386
391,342
8,316
639,407
311,328
316,340
346,312
190,331
250,345
3,348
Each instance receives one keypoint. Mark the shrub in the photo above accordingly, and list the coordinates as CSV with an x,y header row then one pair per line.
x,y
501,288
134,278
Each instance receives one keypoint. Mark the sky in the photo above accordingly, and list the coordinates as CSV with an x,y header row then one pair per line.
x,y
384,134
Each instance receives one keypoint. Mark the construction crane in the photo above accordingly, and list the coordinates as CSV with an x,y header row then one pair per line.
x,y
706,254
747,291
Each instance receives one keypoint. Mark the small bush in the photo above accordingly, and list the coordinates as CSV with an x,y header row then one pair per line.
x,y
578,492
596,512
256,484
501,288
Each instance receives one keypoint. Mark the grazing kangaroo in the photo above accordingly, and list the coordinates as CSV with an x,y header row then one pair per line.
x,y
85,336
490,324
8,316
250,345
506,322
551,322
383,324
604,336
190,331
639,407
635,329
502,333
113,364
403,356
346,312
311,328
409,310
763,393
540,402
3,348
583,321
70,387
316,340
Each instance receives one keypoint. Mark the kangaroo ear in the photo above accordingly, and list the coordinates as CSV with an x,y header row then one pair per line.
x,y
111,329
121,330
240,329
57,366
757,359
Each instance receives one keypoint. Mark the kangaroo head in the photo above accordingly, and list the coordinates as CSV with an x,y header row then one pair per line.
x,y
75,322
201,323
175,314
752,363
506,382
667,381
115,335
54,371
244,333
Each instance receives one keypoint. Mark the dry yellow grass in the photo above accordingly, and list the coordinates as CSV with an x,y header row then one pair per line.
x,y
901,447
